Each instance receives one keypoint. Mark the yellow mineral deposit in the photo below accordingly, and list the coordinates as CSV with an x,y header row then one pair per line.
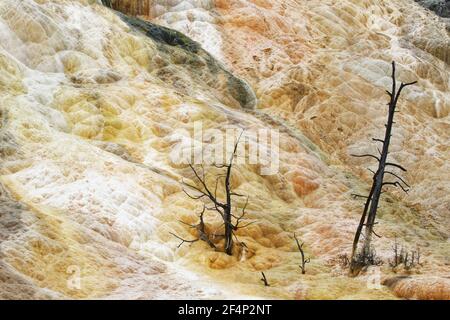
x,y
92,104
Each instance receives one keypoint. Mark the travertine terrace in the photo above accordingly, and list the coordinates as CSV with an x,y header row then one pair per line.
x,y
93,101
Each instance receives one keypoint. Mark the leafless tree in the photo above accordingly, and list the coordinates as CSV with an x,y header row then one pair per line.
x,y
264,280
403,257
231,221
304,261
385,168
396,260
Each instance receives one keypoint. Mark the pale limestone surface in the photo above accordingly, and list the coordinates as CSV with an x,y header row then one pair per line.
x,y
91,110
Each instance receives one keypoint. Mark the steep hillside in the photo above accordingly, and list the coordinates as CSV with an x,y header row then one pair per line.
x,y
94,103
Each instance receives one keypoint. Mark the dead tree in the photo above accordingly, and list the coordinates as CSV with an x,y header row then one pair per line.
x,y
304,261
396,259
402,257
231,221
385,168
264,280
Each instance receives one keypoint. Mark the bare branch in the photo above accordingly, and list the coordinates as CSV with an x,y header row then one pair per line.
x,y
378,236
409,83
242,216
220,166
184,240
402,86
396,165
398,177
246,225
217,184
194,197
236,194
354,195
395,184
365,155
378,140
207,192
379,151
394,82
188,224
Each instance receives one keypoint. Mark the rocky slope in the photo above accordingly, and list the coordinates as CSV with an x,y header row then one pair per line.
x,y
94,102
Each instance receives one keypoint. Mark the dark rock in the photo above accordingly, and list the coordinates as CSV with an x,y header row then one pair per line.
x,y
440,7
162,34
197,62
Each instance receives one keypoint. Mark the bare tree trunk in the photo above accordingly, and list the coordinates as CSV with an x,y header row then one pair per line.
x,y
380,173
228,232
371,206
361,223
304,261
229,228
